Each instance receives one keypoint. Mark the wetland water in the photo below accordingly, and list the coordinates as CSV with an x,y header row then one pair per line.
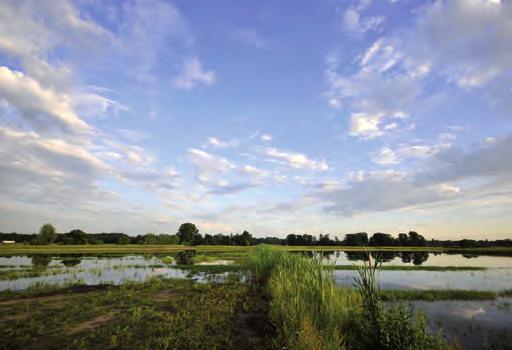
x,y
88,270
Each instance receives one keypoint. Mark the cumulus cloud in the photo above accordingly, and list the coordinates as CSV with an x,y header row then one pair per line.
x,y
388,156
372,97
36,104
217,143
385,156
463,42
295,160
193,74
449,174
469,41
48,170
218,175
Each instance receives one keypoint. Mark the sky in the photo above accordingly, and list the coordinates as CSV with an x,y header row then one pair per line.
x,y
276,117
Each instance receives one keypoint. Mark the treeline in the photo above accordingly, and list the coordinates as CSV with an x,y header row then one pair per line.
x,y
188,234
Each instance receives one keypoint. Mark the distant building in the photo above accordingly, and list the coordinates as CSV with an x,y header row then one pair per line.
x,y
8,242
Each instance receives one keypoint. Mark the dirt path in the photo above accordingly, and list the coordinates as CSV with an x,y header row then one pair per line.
x,y
58,296
251,325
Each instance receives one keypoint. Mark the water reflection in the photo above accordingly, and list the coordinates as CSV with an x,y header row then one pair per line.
x,y
471,323
417,258
91,270
70,262
41,261
483,280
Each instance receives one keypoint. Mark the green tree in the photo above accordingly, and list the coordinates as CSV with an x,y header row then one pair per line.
x,y
47,234
76,237
122,240
187,233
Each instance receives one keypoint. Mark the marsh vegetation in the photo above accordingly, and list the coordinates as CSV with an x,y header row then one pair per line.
x,y
256,297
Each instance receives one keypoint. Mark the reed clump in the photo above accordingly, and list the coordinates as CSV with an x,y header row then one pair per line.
x,y
387,327
306,308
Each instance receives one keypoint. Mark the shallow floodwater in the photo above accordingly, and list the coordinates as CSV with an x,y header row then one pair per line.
x,y
473,324
92,270
395,258
482,280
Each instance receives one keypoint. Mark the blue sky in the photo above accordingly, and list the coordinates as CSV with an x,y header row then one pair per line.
x,y
324,117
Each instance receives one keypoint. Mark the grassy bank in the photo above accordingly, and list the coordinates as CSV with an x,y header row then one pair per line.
x,y
20,249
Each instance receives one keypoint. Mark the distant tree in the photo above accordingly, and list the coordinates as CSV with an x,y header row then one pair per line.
x,y
47,234
187,233
403,239
356,239
244,239
382,239
150,238
123,240
76,237
416,239
324,240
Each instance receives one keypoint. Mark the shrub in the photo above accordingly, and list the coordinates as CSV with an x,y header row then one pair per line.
x,y
185,257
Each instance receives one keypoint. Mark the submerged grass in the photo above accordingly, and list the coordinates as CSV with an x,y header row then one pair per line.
x,y
210,268
433,295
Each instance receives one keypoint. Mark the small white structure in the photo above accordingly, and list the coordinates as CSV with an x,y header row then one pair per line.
x,y
8,242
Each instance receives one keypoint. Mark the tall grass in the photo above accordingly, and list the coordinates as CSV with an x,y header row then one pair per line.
x,y
310,313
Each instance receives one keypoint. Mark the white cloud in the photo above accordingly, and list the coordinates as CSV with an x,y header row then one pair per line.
x,y
216,143
354,23
218,175
36,104
366,126
389,156
296,160
385,156
266,137
480,30
464,42
450,174
193,75
372,97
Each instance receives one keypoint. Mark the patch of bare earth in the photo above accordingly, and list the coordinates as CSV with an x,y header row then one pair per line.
x,y
17,317
91,324
64,295
252,326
